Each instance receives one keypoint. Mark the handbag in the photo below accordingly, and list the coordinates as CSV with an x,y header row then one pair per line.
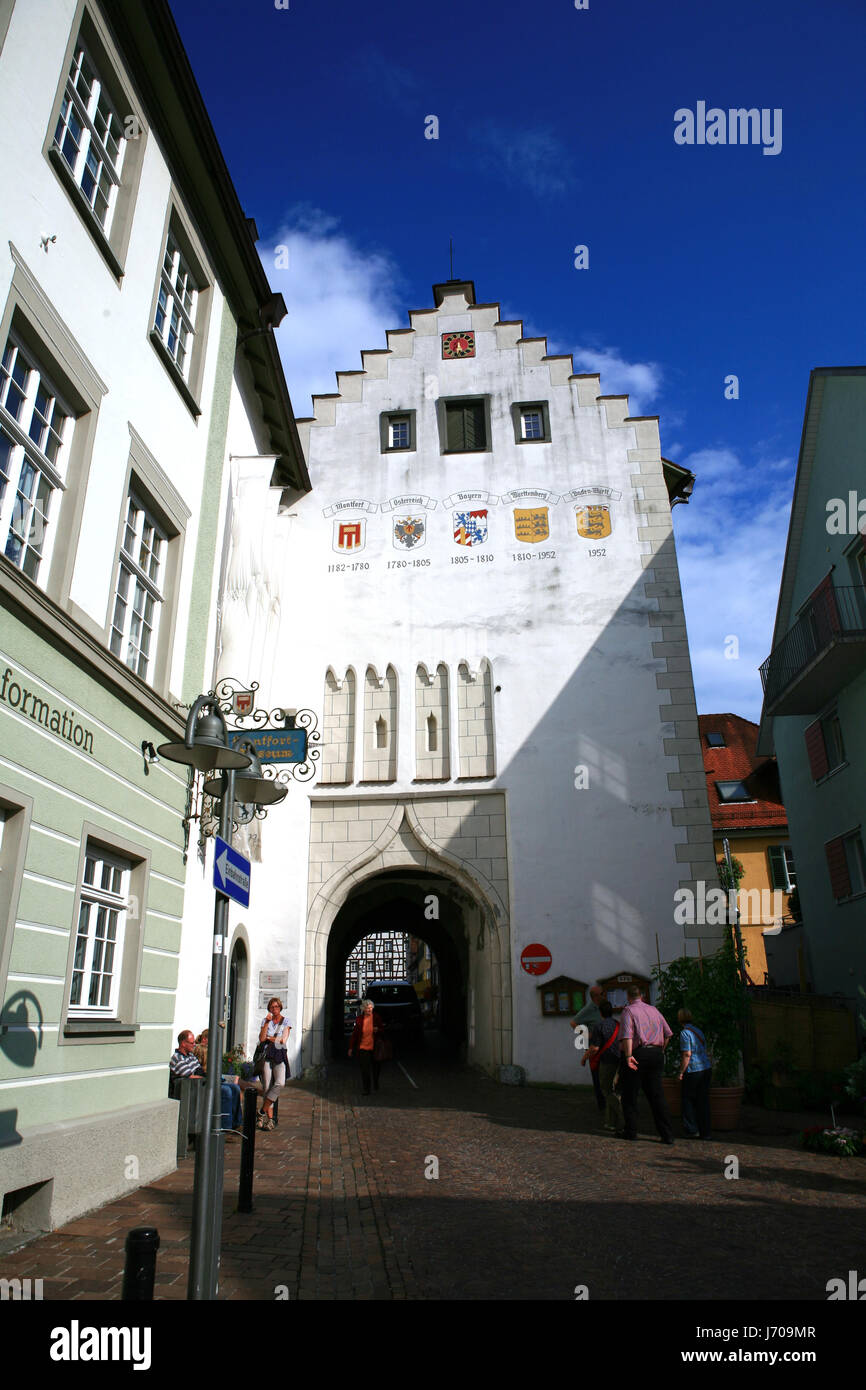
x,y
382,1050
259,1059
594,1061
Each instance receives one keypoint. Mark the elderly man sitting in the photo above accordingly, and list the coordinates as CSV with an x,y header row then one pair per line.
x,y
184,1063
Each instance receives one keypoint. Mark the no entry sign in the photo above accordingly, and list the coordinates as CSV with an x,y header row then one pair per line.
x,y
536,959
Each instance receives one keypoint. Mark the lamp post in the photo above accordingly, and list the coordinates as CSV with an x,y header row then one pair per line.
x,y
206,748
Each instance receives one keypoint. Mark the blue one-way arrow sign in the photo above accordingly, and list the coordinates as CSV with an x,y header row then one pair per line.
x,y
231,873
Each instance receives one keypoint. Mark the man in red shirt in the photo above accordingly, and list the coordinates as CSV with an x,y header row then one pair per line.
x,y
643,1036
368,1027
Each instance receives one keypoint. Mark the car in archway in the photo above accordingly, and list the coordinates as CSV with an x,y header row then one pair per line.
x,y
398,1005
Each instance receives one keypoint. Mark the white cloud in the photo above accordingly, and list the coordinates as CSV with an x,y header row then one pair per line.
x,y
533,160
340,299
640,381
731,546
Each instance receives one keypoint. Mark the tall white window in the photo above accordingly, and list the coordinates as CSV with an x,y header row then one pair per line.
x,y
89,135
99,939
174,320
138,594
35,429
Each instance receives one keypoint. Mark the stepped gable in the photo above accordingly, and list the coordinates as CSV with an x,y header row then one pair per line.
x,y
453,297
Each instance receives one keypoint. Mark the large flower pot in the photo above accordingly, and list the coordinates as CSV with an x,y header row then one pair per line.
x,y
725,1103
672,1091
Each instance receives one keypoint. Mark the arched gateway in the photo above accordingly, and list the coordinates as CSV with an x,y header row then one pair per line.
x,y
403,880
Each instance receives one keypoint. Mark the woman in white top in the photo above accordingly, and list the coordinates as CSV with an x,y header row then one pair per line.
x,y
275,1032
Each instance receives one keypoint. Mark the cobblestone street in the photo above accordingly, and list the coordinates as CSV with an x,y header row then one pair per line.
x,y
532,1199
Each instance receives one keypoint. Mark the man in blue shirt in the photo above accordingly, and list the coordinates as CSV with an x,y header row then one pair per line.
x,y
696,1069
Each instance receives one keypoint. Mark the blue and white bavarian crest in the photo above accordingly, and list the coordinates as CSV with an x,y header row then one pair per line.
x,y
470,528
409,533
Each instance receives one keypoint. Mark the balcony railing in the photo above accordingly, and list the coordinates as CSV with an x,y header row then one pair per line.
x,y
822,652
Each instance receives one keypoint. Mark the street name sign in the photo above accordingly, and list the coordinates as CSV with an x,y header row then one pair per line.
x,y
273,745
231,873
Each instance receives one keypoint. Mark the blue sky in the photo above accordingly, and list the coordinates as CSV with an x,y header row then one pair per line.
x,y
556,129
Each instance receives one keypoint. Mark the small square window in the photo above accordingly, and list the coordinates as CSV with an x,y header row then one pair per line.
x,y
716,740
531,422
397,431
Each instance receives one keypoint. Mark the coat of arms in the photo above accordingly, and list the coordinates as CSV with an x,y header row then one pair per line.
x,y
531,524
350,535
593,522
470,528
409,532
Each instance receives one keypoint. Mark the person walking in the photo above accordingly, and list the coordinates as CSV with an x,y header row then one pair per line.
x,y
368,1030
590,1015
696,1069
604,1063
274,1034
643,1036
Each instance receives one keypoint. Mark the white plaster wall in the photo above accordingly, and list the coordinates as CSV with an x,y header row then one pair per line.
x,y
569,638
111,322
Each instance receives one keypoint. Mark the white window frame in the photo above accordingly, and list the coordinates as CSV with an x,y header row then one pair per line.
x,y
176,302
99,903
91,146
399,423
26,514
140,588
525,413
785,860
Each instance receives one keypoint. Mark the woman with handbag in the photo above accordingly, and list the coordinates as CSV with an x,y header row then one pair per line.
x,y
273,1037
604,1060
367,1037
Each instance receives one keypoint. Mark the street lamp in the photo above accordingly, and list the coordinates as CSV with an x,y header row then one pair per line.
x,y
206,748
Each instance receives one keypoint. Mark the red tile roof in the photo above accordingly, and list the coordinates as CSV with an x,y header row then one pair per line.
x,y
739,762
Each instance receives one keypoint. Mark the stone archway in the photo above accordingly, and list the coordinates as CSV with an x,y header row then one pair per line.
x,y
402,842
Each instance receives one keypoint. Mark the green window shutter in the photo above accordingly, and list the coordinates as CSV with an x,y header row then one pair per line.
x,y
778,873
466,426
454,433
473,416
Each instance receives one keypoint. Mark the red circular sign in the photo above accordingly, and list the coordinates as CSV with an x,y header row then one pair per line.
x,y
536,959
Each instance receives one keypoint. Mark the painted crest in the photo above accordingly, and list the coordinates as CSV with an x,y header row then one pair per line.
x,y
593,522
242,701
470,528
458,344
350,535
410,532
531,524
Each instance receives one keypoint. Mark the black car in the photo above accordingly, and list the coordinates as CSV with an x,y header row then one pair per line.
x,y
397,1003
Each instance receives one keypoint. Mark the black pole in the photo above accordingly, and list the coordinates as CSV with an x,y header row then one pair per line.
x,y
248,1151
209,1154
139,1268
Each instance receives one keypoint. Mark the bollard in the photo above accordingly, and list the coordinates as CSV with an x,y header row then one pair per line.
x,y
276,1112
248,1151
140,1267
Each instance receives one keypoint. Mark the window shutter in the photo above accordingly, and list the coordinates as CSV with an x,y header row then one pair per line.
x,y
816,751
837,863
822,604
454,431
778,875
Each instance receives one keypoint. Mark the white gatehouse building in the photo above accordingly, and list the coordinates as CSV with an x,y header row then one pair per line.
x,y
478,600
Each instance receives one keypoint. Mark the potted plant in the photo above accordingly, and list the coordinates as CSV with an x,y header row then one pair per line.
x,y
711,989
